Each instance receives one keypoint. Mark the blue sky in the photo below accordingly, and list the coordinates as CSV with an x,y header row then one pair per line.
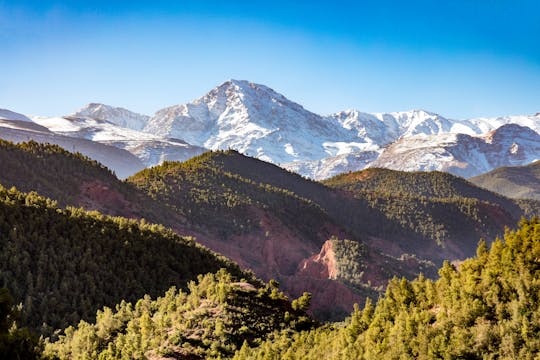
x,y
458,58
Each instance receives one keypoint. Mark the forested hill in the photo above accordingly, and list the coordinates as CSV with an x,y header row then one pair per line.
x,y
49,170
432,184
451,219
212,320
514,181
63,265
75,180
487,308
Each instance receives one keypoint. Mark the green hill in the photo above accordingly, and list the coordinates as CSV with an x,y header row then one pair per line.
x,y
439,206
432,184
487,308
75,180
62,265
521,182
212,320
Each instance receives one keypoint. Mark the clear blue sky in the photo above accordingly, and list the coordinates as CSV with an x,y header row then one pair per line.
x,y
460,58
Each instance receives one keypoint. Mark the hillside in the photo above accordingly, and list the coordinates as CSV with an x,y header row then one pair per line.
x,y
486,308
521,182
63,265
395,223
75,180
210,321
267,228
277,223
432,184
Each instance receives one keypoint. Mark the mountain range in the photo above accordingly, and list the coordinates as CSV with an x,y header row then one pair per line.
x,y
258,121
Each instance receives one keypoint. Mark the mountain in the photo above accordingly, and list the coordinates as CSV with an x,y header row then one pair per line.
x,y
10,115
462,154
116,115
384,128
120,161
512,181
148,148
254,120
487,124
258,121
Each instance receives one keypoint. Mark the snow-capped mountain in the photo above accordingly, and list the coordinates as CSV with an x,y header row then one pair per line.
x,y
260,122
10,115
254,120
149,148
384,128
489,124
333,165
121,161
462,154
116,115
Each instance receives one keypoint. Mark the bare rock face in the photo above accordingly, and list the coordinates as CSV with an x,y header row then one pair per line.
x,y
317,274
321,265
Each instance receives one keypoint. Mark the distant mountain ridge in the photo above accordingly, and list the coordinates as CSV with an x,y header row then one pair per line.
x,y
513,181
258,121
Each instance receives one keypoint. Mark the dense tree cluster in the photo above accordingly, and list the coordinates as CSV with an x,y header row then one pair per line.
x,y
213,319
48,169
212,197
62,265
15,342
488,307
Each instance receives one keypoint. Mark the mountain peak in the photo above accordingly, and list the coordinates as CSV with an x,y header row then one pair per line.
x,y
6,114
116,115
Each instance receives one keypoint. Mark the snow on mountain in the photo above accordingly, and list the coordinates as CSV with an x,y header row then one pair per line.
x,y
116,115
334,165
256,121
149,148
260,122
10,115
385,128
462,154
156,151
489,124
121,161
